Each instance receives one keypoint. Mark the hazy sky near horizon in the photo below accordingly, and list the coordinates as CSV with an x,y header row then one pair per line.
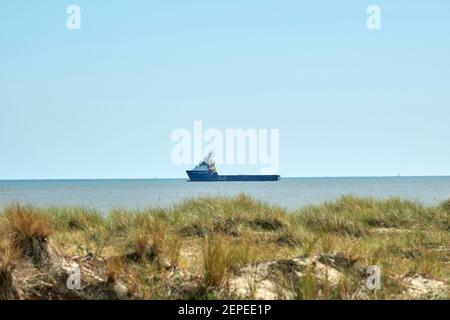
x,y
102,102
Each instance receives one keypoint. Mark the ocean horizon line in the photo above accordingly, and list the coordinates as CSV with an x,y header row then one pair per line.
x,y
183,178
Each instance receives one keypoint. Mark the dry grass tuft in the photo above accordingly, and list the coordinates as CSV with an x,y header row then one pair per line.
x,y
173,251
158,235
140,244
9,255
8,259
29,231
114,268
216,258
149,243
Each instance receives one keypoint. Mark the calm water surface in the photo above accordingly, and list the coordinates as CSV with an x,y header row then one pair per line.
x,y
289,192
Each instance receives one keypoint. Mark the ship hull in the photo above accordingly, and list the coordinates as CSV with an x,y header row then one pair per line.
x,y
199,176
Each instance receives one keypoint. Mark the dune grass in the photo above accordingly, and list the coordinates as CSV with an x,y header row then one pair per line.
x,y
209,238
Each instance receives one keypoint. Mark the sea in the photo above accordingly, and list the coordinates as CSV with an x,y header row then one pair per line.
x,y
291,193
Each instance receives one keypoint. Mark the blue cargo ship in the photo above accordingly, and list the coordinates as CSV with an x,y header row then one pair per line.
x,y
206,171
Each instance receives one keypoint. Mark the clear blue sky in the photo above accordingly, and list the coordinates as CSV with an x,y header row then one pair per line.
x,y
102,102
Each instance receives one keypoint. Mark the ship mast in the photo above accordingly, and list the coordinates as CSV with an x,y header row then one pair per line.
x,y
210,162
